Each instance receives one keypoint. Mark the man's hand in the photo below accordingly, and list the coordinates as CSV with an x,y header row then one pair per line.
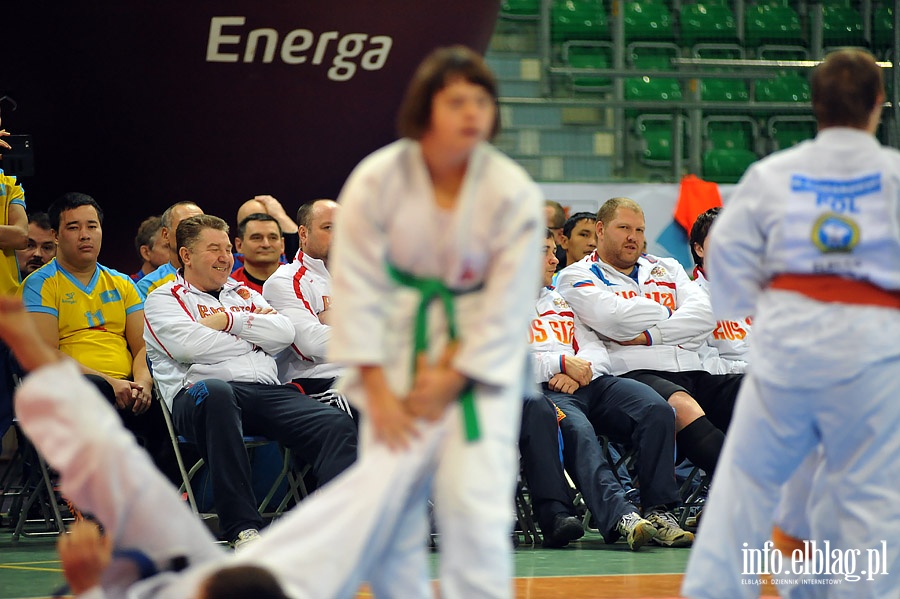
x,y
563,383
84,554
579,369
124,393
269,310
391,424
142,393
3,144
639,340
276,210
435,386
325,317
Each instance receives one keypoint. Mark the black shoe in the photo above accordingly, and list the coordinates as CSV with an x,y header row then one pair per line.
x,y
566,528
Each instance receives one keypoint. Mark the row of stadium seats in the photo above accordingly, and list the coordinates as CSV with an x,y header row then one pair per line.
x,y
731,143
783,86
766,22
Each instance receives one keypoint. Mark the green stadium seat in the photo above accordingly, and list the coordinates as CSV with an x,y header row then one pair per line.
x,y
588,55
787,131
654,132
728,141
520,9
721,90
707,21
651,56
577,20
724,90
788,86
841,26
768,23
647,21
726,166
883,26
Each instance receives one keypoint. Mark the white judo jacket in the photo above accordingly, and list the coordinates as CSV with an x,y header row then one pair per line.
x,y
487,249
183,351
301,291
663,303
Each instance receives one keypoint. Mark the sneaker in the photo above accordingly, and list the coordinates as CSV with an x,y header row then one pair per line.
x,y
668,533
565,528
244,538
636,530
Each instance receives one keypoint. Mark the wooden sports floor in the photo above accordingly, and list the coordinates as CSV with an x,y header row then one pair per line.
x,y
587,569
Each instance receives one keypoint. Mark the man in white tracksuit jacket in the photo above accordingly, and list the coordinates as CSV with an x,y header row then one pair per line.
x,y
653,319
211,340
810,243
301,291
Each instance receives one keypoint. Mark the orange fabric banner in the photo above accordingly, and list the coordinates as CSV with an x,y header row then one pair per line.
x,y
695,197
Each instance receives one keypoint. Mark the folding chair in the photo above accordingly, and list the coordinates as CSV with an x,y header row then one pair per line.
x,y
525,524
296,489
35,488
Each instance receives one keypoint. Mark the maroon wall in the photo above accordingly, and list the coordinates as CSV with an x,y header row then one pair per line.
x,y
137,104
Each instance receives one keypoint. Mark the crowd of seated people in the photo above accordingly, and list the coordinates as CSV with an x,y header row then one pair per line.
x,y
623,346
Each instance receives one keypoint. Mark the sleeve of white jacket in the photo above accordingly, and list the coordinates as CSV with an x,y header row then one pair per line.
x,y
359,284
186,340
591,348
608,314
691,322
734,261
496,353
310,335
545,365
270,332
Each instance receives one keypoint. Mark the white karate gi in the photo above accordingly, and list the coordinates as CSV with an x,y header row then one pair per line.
x,y
823,371
487,248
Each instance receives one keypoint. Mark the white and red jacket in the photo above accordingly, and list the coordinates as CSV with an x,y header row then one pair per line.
x,y
556,333
301,291
663,303
183,351
727,348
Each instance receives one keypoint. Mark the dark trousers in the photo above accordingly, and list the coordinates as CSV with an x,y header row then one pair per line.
x,y
630,413
216,415
542,462
148,428
716,393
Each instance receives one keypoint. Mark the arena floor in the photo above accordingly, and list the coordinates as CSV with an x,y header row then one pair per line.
x,y
587,569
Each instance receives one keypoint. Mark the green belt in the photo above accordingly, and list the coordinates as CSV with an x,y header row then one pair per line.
x,y
431,289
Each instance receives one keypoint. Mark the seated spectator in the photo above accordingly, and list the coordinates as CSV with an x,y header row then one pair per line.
x,y
653,319
211,342
551,496
260,242
592,402
150,246
728,346
169,220
301,291
95,315
41,247
13,228
556,220
266,204
579,236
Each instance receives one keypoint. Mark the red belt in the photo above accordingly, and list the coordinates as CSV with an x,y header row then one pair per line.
x,y
831,288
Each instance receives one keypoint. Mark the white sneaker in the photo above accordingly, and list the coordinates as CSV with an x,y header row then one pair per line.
x,y
244,538
636,530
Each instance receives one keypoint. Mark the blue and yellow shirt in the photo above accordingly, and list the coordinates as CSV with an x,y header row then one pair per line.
x,y
10,193
91,318
156,279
